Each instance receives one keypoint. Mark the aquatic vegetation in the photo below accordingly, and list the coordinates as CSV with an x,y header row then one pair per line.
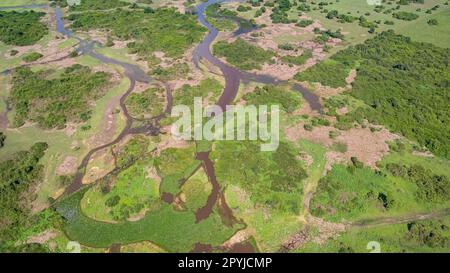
x,y
174,231
271,178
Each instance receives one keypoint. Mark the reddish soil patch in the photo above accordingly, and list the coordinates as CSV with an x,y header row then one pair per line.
x,y
69,166
369,147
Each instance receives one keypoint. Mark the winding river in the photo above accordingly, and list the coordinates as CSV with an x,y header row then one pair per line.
x,y
232,77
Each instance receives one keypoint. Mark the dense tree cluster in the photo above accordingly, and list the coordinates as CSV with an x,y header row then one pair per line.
x,y
161,30
270,95
17,176
51,102
405,83
149,102
86,5
429,233
431,187
242,54
2,139
21,28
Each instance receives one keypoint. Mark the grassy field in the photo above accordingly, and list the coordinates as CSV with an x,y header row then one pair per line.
x,y
418,29
315,170
196,190
393,238
270,228
134,192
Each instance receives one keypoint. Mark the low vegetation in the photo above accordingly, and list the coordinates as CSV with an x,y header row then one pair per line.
x,y
92,4
270,178
297,60
52,102
413,91
32,57
273,95
148,103
356,192
242,54
174,231
171,32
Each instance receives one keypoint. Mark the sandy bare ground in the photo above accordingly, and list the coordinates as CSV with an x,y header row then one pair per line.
x,y
369,147
168,141
22,50
107,128
152,173
69,166
325,231
42,237
178,4
100,164
351,78
239,237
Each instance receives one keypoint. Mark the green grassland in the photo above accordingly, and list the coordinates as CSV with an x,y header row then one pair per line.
x,y
132,192
417,29
403,184
269,227
271,178
173,166
196,190
60,144
423,237
92,209
131,195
